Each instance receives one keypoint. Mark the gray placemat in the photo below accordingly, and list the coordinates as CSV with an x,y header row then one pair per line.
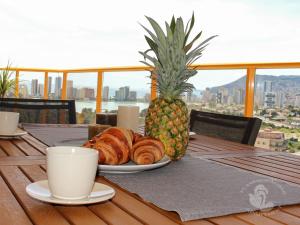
x,y
58,135
197,188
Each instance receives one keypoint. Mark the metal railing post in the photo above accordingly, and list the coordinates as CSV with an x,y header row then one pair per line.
x,y
153,86
46,81
17,83
99,92
249,96
64,86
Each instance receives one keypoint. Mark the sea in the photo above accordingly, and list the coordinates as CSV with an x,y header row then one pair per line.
x,y
109,105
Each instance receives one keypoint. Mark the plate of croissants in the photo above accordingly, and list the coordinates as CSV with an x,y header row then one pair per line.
x,y
124,151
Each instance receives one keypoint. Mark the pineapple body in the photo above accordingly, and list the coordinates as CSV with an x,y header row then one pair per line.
x,y
168,121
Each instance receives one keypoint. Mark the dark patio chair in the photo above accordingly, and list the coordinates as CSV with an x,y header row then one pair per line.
x,y
41,110
233,128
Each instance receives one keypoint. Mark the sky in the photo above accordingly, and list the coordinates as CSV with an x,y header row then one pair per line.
x,y
92,33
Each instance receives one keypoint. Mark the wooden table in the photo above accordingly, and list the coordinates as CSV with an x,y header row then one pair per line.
x,y
22,161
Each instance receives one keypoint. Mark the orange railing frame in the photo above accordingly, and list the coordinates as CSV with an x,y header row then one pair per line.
x,y
250,81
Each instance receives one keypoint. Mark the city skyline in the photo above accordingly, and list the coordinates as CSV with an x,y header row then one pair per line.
x,y
267,93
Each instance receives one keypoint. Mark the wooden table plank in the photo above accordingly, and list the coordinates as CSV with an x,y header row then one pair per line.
x,y
26,148
2,152
10,210
271,164
228,220
257,219
22,160
112,214
293,210
198,222
35,143
40,213
279,159
283,217
259,170
265,166
80,215
276,162
10,149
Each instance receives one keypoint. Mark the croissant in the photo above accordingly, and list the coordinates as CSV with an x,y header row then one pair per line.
x,y
113,144
136,136
147,150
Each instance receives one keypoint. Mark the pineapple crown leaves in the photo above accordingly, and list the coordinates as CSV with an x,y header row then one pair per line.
x,y
173,54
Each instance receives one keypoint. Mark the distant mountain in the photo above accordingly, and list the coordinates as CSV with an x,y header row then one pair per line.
x,y
286,83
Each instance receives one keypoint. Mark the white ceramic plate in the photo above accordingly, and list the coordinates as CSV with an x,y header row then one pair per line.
x,y
131,167
40,191
17,133
191,134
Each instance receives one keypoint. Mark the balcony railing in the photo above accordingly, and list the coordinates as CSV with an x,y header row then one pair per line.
x,y
250,80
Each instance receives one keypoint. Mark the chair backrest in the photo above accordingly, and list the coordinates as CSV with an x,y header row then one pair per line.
x,y
233,128
41,110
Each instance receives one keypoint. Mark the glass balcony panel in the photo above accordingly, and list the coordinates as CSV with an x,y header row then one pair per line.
x,y
126,88
31,85
220,91
277,103
83,88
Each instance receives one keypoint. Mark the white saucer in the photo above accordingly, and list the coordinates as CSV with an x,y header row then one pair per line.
x,y
19,132
40,191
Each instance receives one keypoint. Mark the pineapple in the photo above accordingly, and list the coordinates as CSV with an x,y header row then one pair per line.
x,y
167,117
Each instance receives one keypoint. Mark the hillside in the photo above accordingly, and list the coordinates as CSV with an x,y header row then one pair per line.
x,y
287,83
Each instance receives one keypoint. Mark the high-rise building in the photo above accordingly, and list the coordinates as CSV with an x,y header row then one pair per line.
x,y
238,96
269,101
57,86
132,96
86,93
90,93
126,92
219,98
49,85
269,95
70,89
122,94
40,90
75,93
117,95
281,99
297,100
34,87
189,95
268,86
23,91
207,95
105,93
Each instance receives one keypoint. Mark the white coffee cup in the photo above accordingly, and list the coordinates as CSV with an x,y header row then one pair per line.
x,y
71,171
8,122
